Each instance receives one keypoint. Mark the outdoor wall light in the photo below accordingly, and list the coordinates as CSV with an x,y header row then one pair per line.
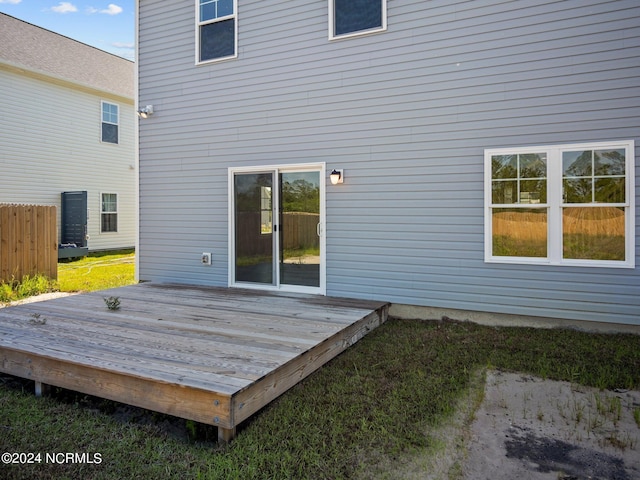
x,y
145,112
337,176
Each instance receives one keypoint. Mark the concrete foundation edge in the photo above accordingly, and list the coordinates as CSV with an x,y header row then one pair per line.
x,y
506,320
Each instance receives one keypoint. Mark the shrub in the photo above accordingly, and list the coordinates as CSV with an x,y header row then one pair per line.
x,y
27,287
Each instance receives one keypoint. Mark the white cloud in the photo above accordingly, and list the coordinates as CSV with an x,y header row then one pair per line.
x,y
91,10
123,49
112,9
12,2
64,7
123,44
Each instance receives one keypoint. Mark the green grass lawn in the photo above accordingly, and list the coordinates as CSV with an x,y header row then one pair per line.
x,y
364,415
98,271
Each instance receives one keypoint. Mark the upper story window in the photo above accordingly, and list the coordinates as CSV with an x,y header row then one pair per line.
x,y
217,30
561,205
356,17
110,121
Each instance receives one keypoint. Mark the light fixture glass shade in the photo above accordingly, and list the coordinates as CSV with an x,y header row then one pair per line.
x,y
336,177
145,112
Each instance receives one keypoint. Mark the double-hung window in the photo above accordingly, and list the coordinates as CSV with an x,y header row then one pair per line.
x,y
109,212
217,30
109,129
356,17
561,205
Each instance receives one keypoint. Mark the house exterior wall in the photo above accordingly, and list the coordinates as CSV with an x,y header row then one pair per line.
x,y
408,114
50,137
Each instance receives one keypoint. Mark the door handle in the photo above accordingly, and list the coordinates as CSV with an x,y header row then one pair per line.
x,y
318,229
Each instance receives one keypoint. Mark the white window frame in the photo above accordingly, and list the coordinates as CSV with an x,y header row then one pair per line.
x,y
102,121
102,212
554,204
200,24
359,33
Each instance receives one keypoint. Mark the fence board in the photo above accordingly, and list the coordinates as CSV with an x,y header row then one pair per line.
x,y
298,232
28,241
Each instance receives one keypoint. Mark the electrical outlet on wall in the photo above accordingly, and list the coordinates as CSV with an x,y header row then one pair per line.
x,y
206,258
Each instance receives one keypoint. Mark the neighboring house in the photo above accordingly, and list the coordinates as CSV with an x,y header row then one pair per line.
x,y
488,151
67,124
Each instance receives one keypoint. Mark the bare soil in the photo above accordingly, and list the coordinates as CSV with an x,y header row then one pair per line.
x,y
37,298
530,428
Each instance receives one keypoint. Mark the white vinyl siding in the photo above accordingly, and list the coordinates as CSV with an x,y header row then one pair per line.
x,y
45,155
561,205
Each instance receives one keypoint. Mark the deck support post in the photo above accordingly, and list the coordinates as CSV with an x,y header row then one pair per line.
x,y
225,435
41,388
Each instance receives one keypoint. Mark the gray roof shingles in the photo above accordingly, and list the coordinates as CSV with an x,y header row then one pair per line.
x,y
39,50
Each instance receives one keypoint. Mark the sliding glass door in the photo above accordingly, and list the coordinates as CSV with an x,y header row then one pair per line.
x,y
277,223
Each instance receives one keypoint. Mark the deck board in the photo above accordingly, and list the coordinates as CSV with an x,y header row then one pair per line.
x,y
213,355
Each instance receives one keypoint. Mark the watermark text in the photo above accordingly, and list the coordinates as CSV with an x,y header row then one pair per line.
x,y
59,458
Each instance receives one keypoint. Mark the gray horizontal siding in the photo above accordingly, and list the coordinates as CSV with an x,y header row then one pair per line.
x,y
407,113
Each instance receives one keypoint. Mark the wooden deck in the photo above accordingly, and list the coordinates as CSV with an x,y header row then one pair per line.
x,y
213,355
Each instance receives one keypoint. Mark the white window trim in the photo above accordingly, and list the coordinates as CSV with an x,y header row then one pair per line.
x,y
102,103
554,205
117,212
200,24
359,33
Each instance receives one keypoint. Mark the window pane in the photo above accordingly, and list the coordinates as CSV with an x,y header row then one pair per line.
x,y
109,113
609,190
207,10
225,7
212,9
519,232
217,40
266,211
593,233
109,203
357,15
609,162
577,164
504,192
577,190
533,165
109,133
109,222
533,191
504,166
253,248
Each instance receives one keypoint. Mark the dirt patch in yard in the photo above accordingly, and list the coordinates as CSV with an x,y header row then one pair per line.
x,y
515,426
530,428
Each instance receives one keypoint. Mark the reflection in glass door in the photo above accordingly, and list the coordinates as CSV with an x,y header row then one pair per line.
x,y
254,242
300,228
277,230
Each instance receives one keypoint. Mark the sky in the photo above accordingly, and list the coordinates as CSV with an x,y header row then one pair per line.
x,y
99,23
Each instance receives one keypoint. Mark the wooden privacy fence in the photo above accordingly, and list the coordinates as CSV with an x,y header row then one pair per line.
x,y
28,241
299,231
